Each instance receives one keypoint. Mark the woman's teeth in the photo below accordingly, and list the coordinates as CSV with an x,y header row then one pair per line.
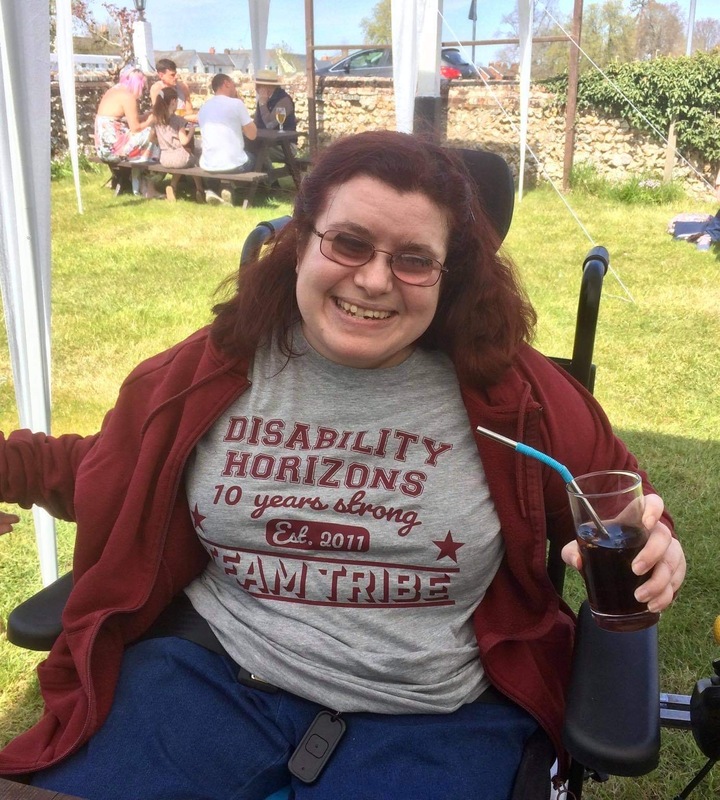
x,y
363,313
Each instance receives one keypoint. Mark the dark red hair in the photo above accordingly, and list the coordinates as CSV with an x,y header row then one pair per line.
x,y
483,313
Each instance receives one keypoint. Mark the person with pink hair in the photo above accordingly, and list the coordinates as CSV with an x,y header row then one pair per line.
x,y
121,132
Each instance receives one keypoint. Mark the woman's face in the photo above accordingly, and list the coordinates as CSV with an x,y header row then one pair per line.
x,y
365,317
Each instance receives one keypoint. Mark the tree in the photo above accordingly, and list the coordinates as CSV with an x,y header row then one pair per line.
x,y
608,34
79,10
706,35
547,59
660,29
377,29
118,32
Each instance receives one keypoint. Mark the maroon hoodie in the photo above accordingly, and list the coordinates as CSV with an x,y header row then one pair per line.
x,y
136,547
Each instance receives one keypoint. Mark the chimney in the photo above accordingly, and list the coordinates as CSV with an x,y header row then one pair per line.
x,y
211,51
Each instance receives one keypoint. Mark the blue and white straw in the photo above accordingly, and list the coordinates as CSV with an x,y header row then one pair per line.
x,y
526,450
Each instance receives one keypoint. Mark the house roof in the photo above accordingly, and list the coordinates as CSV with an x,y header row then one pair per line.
x,y
229,60
182,58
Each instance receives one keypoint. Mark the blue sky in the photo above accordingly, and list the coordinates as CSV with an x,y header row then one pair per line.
x,y
201,24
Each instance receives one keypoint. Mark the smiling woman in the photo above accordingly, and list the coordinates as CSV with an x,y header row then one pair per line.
x,y
287,518
366,315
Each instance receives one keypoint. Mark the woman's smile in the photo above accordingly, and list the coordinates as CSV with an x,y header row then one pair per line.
x,y
360,312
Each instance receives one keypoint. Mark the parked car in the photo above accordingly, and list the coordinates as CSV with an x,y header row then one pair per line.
x,y
454,59
377,63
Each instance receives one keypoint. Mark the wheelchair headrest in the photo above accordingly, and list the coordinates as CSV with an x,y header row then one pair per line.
x,y
495,186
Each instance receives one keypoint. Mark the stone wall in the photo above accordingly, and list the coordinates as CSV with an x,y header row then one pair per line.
x,y
473,116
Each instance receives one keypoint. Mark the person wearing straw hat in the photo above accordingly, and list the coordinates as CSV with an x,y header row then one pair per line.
x,y
272,101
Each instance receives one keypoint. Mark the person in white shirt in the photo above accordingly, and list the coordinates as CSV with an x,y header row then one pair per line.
x,y
224,123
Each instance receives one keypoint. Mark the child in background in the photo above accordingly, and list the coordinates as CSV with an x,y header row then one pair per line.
x,y
176,140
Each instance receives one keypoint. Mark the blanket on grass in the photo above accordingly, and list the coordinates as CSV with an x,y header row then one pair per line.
x,y
701,229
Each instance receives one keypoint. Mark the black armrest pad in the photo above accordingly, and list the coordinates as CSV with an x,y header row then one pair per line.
x,y
36,623
612,723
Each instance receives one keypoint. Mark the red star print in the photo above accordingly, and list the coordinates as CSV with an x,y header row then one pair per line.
x,y
448,547
198,518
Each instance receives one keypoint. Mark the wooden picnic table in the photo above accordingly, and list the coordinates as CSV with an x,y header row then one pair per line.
x,y
264,172
261,145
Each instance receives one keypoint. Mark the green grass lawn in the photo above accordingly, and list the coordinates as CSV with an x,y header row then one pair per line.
x,y
131,277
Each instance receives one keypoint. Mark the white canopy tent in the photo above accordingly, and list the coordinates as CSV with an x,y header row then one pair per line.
x,y
25,214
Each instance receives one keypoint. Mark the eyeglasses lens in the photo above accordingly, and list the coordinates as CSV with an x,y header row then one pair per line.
x,y
351,251
348,250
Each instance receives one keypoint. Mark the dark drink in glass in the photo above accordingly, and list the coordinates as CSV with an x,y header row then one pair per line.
x,y
609,578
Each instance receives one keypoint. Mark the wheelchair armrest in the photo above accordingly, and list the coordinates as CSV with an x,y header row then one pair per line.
x,y
36,623
612,723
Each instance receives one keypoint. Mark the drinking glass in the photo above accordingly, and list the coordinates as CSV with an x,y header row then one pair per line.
x,y
615,499
281,116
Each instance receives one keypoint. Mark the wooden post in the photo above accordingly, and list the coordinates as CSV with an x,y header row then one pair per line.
x,y
670,152
571,105
310,73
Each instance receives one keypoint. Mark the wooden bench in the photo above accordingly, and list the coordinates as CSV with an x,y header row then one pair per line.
x,y
249,179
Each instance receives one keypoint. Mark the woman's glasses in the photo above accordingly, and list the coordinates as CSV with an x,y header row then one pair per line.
x,y
352,251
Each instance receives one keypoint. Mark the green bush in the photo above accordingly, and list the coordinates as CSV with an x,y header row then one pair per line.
x,y
649,95
585,178
646,191
61,166
639,190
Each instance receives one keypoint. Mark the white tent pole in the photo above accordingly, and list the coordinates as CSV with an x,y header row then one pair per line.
x,y
416,38
690,28
429,43
405,27
66,78
25,222
525,18
259,11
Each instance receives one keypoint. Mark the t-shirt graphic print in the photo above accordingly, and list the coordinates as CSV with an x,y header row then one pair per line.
x,y
350,531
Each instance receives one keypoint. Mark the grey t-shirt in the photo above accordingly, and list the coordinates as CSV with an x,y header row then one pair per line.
x,y
351,533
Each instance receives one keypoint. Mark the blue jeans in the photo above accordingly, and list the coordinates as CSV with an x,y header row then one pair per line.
x,y
183,728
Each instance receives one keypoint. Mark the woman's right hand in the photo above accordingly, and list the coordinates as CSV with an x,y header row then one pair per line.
x,y
7,521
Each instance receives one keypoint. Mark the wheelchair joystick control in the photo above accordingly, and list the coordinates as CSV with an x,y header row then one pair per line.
x,y
705,713
705,720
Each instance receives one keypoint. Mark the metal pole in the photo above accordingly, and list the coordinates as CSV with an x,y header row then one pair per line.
x,y
571,106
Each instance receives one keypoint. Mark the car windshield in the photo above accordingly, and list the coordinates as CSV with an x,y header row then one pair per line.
x,y
371,58
454,57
